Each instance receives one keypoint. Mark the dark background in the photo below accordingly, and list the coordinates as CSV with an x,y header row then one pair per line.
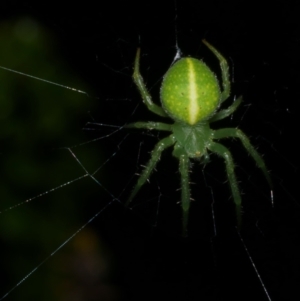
x,y
139,253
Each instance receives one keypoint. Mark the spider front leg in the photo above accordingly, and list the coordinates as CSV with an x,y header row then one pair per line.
x,y
184,163
159,148
138,80
236,133
223,152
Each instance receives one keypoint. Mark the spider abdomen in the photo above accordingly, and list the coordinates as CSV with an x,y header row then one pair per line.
x,y
190,91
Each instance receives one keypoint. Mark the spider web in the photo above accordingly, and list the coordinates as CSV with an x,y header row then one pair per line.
x,y
47,163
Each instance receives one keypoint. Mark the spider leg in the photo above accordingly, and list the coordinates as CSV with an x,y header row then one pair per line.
x,y
236,133
224,70
223,152
226,112
138,80
155,156
150,125
184,163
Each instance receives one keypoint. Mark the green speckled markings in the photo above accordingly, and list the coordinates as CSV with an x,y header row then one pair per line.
x,y
190,91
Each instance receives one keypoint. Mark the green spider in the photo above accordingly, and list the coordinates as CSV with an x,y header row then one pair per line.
x,y
191,96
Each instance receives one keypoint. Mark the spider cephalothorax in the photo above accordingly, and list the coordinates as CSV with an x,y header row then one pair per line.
x,y
191,95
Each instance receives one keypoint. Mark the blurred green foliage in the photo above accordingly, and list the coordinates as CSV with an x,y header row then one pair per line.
x,y
37,119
